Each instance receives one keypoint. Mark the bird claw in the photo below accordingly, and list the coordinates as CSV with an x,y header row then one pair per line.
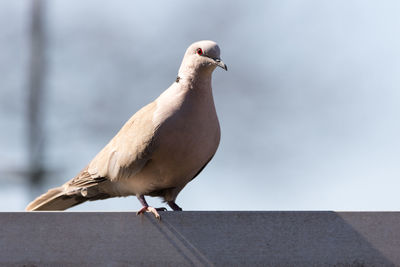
x,y
149,209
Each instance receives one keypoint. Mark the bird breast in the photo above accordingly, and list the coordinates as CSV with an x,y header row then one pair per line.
x,y
187,134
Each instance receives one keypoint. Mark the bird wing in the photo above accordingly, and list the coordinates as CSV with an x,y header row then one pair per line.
x,y
123,156
126,154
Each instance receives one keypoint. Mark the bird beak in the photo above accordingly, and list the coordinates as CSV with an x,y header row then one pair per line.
x,y
220,63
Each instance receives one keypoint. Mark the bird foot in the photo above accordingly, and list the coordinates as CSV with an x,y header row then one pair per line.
x,y
149,209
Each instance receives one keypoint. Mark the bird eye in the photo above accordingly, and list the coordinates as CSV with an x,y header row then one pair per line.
x,y
199,51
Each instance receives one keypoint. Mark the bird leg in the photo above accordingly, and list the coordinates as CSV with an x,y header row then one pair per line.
x,y
173,206
147,208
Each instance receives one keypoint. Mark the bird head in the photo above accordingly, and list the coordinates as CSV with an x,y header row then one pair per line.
x,y
201,57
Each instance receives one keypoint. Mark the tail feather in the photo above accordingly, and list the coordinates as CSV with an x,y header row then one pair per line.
x,y
55,199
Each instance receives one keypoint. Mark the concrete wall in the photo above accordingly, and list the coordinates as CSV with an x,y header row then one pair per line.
x,y
200,238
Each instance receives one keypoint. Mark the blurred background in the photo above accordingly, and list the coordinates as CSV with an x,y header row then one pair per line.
x,y
309,108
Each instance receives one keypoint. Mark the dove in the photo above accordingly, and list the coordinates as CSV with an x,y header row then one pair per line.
x,y
160,149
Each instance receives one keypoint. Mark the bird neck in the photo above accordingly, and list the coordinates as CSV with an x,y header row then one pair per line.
x,y
195,77
196,85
